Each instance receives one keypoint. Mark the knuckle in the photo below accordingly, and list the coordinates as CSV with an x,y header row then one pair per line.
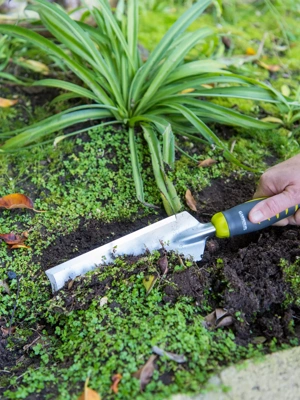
x,y
294,193
271,207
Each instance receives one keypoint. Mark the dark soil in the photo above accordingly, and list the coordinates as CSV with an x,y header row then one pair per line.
x,y
241,274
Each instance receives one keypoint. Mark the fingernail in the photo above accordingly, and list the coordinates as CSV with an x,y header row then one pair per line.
x,y
257,216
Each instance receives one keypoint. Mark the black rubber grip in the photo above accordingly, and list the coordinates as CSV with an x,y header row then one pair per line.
x,y
239,224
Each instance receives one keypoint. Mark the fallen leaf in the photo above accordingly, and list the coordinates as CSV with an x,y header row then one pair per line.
x,y
8,331
250,51
71,283
116,380
4,103
149,282
16,200
226,41
272,68
88,394
19,246
12,238
179,358
207,163
103,301
272,119
226,321
58,139
208,85
5,286
189,90
36,66
163,264
145,373
220,313
258,340
190,201
210,319
219,318
285,90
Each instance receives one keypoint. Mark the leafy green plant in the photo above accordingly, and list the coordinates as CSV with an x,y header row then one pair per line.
x,y
158,98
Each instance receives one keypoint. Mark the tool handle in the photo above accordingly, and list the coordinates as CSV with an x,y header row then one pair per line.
x,y
235,221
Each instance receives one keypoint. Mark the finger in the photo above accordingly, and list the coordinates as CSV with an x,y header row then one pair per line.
x,y
270,207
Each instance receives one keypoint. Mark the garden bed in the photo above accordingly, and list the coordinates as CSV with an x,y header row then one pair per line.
x,y
108,321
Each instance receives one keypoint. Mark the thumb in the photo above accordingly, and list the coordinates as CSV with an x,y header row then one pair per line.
x,y
271,206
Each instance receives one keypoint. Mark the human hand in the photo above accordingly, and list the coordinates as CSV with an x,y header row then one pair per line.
x,y
281,184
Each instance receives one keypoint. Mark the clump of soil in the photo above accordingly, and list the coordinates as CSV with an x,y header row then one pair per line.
x,y
241,274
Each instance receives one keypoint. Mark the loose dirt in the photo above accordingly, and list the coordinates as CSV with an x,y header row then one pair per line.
x,y
241,274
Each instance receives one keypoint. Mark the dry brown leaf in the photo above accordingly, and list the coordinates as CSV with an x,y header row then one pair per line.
x,y
88,394
5,286
250,51
179,358
19,246
12,238
4,103
36,66
149,282
258,340
116,380
189,90
190,201
210,320
145,373
220,313
272,68
226,321
16,200
218,319
163,264
208,85
272,119
207,163
226,41
8,331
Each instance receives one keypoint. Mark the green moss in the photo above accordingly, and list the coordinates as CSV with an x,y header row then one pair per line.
x,y
117,338
292,276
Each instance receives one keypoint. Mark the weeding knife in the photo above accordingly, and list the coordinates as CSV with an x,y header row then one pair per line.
x,y
181,233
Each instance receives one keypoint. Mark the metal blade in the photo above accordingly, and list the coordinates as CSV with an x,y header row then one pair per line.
x,y
181,233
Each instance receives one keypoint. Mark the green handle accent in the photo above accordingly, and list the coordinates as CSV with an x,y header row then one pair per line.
x,y
235,221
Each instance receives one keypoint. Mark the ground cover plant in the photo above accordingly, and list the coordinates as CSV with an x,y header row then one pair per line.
x,y
106,325
160,95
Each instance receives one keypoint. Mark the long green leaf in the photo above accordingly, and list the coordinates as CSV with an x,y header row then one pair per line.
x,y
251,93
195,68
56,19
208,133
155,57
136,170
109,17
132,31
46,44
72,87
169,196
169,65
54,124
169,146
229,116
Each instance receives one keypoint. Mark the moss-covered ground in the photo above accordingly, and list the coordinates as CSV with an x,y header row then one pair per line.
x,y
89,177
